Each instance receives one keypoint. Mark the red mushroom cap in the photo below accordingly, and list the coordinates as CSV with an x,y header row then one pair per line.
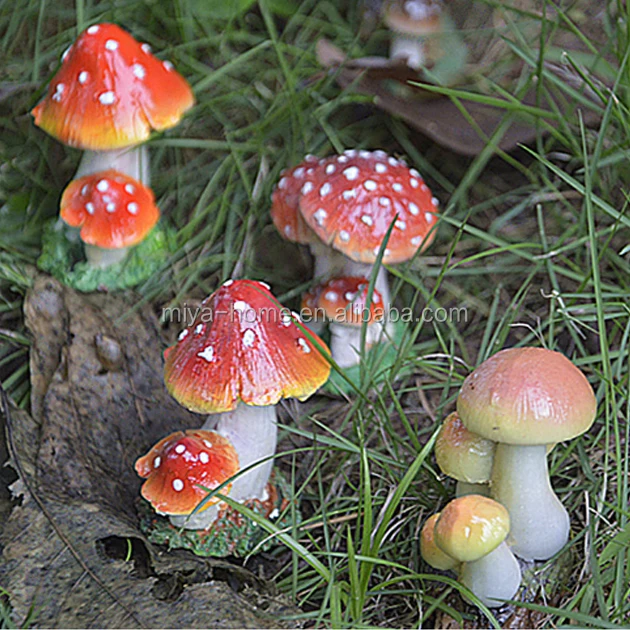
x,y
344,301
181,462
113,210
110,92
243,346
350,201
285,199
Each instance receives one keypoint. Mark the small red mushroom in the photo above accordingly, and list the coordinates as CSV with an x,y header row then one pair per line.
x,y
241,355
114,212
343,301
108,95
181,469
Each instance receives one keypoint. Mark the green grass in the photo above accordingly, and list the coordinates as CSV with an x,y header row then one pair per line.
x,y
533,243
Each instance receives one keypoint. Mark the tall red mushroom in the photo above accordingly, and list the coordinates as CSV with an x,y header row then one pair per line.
x,y
242,354
107,97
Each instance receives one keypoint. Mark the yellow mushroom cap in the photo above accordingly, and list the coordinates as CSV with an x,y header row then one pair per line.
x,y
462,454
470,527
430,552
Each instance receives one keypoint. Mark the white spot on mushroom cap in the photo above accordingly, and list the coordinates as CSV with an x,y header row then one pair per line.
x,y
351,173
207,354
320,216
264,284
132,208
308,186
59,89
401,225
180,448
145,48
89,207
299,172
198,329
384,201
83,77
380,168
435,202
85,189
414,173
331,296
305,347
413,208
241,306
370,185
93,29
274,513
228,283
130,189
204,458
342,159
414,182
107,98
344,236
429,217
111,44
424,187
282,183
416,240
325,189
178,485
397,186
349,194
110,207
392,161
65,53
368,220
330,169
350,153
349,295
139,71
168,65
182,335
207,443
288,230
102,186
157,461
249,338
286,319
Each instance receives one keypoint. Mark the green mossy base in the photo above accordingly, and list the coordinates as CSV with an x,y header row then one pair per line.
x,y
232,534
63,257
379,358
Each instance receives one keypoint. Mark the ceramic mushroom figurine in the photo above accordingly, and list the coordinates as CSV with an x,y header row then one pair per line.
x,y
464,456
180,470
472,530
526,399
343,302
108,96
244,353
349,202
114,212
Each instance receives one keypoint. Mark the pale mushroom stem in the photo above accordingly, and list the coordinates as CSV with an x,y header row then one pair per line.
x,y
201,520
463,488
345,343
102,258
495,577
409,48
253,432
539,523
132,161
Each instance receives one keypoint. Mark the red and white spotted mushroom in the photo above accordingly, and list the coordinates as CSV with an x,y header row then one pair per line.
x,y
114,212
344,303
349,202
181,469
108,95
241,355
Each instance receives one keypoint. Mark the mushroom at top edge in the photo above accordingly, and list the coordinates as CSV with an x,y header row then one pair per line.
x,y
526,399
114,212
472,529
181,470
343,303
464,456
241,355
349,202
108,95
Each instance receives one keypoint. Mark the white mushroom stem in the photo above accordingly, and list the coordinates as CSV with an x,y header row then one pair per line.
x,y
345,343
201,520
539,523
494,577
132,161
102,258
463,488
253,432
409,48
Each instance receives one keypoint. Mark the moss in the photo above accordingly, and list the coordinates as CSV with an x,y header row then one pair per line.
x,y
63,257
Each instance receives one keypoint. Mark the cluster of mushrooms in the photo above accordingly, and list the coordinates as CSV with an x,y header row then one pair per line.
x,y
244,352
109,94
511,411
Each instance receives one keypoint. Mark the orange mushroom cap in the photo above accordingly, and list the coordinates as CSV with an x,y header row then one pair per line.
x,y
243,346
285,199
179,464
351,200
110,92
113,210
